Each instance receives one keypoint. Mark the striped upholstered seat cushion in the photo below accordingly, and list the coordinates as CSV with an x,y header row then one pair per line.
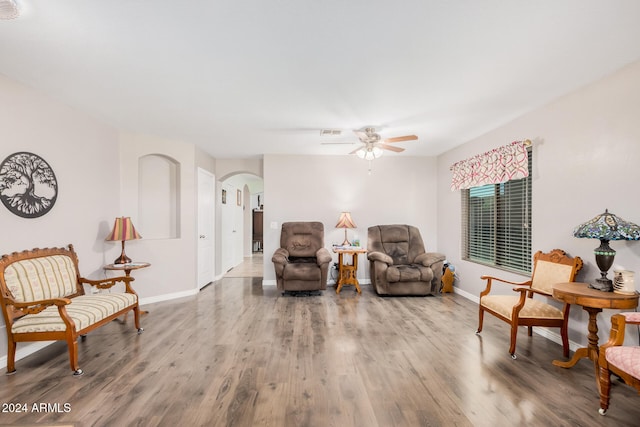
x,y
85,310
504,304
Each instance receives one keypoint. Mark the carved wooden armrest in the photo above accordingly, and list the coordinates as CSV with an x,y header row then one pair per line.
x,y
35,307
490,279
530,291
109,283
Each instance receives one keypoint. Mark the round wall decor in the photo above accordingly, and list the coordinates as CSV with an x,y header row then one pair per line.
x,y
28,186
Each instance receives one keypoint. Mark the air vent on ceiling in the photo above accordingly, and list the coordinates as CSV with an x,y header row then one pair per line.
x,y
8,9
330,132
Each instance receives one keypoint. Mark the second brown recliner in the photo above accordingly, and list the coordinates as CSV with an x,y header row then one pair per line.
x,y
399,264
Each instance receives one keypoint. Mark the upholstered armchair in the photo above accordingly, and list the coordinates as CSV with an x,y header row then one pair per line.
x,y
301,262
399,264
623,361
520,308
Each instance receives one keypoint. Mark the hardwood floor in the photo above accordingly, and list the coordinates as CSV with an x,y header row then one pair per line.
x,y
239,354
251,267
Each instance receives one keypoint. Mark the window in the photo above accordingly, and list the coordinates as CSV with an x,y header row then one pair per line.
x,y
496,224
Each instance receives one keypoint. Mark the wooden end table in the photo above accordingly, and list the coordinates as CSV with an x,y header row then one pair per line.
x,y
347,273
592,301
127,268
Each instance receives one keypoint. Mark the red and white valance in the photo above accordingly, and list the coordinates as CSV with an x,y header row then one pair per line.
x,y
499,165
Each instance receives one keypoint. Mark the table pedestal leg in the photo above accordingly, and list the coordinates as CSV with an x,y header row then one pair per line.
x,y
592,350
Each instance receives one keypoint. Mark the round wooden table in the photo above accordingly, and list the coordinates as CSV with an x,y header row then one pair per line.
x,y
593,302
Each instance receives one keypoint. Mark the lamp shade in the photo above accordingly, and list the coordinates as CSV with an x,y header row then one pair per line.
x,y
608,226
345,221
123,229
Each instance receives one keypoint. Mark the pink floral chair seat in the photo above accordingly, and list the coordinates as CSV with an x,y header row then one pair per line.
x,y
614,357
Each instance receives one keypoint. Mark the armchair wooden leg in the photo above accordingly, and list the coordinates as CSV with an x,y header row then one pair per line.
x,y
512,345
480,320
604,387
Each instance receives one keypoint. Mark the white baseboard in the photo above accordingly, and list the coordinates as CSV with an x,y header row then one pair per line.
x,y
167,297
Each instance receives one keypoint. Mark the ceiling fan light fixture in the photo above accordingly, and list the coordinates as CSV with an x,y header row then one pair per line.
x,y
369,153
8,9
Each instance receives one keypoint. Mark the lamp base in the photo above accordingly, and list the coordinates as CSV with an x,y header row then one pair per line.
x,y
123,259
604,285
346,241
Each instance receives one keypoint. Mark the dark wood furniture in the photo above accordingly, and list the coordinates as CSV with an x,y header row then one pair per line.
x,y
524,310
592,301
257,230
617,359
43,299
347,273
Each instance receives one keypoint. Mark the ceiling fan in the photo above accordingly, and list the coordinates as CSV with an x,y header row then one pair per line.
x,y
374,144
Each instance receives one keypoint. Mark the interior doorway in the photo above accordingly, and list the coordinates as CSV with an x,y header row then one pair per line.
x,y
242,247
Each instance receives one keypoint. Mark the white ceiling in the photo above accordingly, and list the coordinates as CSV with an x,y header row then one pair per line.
x,y
241,78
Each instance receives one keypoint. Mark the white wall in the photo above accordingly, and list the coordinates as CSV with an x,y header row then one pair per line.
x,y
173,260
585,159
400,190
83,154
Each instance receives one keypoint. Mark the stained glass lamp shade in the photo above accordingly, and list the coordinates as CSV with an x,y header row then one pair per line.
x,y
606,227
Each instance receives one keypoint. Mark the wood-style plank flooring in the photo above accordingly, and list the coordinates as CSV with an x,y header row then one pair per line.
x,y
240,354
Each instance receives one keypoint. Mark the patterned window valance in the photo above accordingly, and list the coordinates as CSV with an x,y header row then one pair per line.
x,y
499,165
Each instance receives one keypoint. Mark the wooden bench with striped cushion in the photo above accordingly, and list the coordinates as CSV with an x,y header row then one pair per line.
x,y
43,299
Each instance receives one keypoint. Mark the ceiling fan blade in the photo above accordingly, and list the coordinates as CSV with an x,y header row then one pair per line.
x,y
401,138
354,151
337,142
391,148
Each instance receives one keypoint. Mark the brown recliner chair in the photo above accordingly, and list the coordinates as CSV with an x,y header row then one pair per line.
x,y
302,261
398,263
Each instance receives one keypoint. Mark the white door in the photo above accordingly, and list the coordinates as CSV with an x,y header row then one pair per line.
x,y
206,215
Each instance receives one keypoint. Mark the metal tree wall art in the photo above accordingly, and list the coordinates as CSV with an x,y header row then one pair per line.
x,y
28,186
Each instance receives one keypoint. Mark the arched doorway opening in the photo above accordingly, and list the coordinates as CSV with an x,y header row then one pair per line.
x,y
241,211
